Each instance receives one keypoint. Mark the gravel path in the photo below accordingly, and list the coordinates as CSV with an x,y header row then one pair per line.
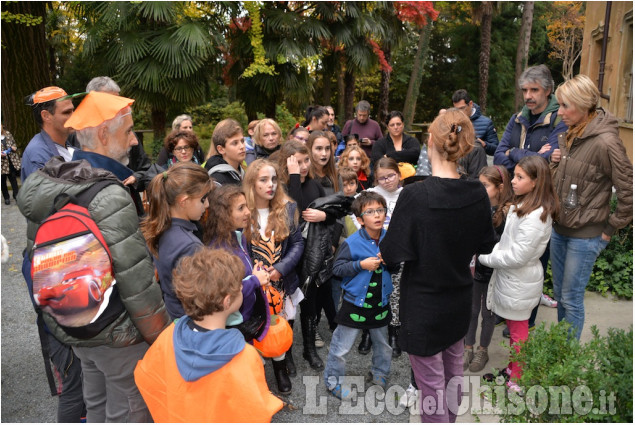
x,y
25,393
26,398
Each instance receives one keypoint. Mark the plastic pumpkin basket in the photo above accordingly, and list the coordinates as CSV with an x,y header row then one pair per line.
x,y
278,339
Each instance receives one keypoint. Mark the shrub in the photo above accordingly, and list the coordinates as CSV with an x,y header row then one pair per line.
x,y
557,363
285,120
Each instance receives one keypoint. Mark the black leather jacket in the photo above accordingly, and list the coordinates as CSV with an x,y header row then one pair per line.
x,y
317,261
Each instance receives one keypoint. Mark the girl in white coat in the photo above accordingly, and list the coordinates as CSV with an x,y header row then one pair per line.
x,y
516,284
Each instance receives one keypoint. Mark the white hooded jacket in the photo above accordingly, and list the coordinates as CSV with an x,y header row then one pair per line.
x,y
516,284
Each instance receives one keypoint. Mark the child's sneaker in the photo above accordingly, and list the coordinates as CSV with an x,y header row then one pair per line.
x,y
468,355
504,373
319,342
376,380
340,392
513,387
409,398
480,360
548,301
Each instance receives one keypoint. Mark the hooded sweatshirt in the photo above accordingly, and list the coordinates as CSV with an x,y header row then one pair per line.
x,y
201,353
189,376
222,172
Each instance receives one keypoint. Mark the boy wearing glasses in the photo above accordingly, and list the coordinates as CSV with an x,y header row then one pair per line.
x,y
367,285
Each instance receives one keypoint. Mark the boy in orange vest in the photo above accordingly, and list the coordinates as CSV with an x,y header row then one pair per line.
x,y
198,371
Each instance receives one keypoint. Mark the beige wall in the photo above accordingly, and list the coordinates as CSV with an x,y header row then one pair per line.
x,y
618,70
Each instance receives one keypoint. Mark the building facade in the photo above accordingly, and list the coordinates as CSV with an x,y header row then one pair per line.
x,y
615,79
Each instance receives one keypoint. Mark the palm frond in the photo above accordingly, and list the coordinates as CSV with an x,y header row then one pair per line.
x,y
158,11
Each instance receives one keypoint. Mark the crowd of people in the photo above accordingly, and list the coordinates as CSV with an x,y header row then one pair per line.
x,y
405,244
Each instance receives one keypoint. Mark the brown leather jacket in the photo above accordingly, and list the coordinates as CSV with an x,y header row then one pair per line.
x,y
596,161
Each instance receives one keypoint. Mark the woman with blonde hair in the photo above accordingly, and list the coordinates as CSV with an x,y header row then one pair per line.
x,y
267,138
436,228
591,159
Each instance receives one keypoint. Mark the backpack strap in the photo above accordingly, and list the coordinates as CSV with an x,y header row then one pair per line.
x,y
82,198
44,343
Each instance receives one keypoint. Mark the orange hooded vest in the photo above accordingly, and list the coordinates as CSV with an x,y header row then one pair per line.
x,y
237,392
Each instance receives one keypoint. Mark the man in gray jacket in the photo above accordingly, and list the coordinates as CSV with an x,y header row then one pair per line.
x,y
104,129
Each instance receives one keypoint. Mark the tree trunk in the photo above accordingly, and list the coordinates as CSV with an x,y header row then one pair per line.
x,y
158,126
417,74
486,41
326,89
328,70
522,53
341,93
349,93
384,91
270,109
24,69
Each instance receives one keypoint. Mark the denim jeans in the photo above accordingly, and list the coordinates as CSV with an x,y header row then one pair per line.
x,y
341,343
572,262
336,291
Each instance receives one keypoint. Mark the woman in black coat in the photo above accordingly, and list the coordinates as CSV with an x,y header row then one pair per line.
x,y
437,226
396,144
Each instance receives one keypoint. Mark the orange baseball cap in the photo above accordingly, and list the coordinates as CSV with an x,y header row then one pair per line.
x,y
47,94
96,108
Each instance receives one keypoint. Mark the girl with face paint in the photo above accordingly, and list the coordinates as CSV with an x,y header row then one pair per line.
x,y
276,241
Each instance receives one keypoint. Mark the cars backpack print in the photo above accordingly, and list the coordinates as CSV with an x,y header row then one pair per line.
x,y
72,271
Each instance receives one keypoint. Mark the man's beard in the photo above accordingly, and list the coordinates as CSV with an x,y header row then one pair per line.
x,y
121,156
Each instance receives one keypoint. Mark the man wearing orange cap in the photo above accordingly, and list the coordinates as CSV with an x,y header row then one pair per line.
x,y
104,130
51,108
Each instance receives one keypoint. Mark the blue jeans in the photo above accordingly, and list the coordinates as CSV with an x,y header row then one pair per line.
x,y
572,261
336,291
343,340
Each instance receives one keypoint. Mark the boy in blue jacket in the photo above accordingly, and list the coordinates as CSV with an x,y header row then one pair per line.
x,y
366,302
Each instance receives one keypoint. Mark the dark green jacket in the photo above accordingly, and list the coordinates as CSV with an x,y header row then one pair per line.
x,y
114,213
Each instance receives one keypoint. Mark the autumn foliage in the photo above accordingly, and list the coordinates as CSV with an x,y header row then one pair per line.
x,y
415,12
565,32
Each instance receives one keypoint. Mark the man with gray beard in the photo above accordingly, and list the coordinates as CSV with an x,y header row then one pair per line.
x,y
104,128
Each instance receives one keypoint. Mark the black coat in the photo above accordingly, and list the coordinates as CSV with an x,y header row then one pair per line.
x,y
437,226
317,261
410,148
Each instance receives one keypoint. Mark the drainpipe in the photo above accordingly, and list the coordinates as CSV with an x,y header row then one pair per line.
x,y
605,41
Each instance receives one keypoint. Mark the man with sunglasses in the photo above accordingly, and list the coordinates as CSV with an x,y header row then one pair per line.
x,y
104,127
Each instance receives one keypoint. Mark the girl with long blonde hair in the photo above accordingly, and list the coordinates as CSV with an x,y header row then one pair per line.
x,y
276,242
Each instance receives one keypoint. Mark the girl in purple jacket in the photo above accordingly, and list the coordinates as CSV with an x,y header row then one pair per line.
x,y
224,229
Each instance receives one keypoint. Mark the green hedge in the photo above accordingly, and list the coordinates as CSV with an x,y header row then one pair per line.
x,y
601,369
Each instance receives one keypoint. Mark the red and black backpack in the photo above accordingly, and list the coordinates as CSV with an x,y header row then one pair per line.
x,y
71,267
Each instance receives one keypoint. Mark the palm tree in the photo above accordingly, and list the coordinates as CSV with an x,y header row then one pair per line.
x,y
158,52
291,33
353,26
